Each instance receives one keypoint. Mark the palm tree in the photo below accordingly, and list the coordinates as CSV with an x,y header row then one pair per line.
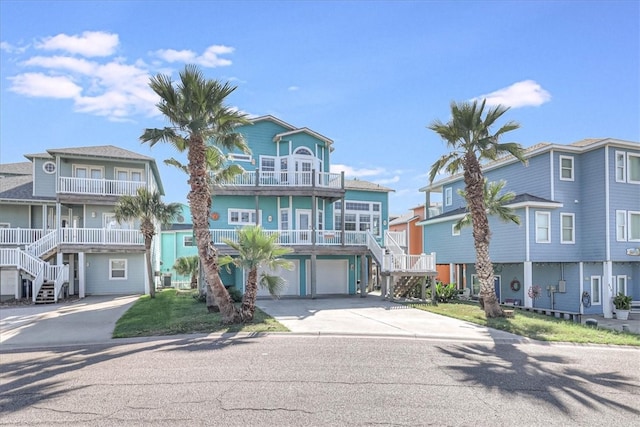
x,y
195,109
468,135
147,206
494,202
257,249
188,266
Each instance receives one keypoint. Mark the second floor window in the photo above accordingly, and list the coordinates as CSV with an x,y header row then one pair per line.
x,y
621,170
568,228
634,226
621,226
242,217
633,165
566,168
448,196
359,216
187,241
543,227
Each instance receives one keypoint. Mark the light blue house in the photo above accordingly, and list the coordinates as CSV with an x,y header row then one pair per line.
x,y
58,233
336,227
579,238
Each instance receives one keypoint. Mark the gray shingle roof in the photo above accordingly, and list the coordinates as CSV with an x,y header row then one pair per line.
x,y
356,184
101,151
19,188
22,168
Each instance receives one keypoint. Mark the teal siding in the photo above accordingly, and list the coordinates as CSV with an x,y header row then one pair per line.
x,y
17,216
44,184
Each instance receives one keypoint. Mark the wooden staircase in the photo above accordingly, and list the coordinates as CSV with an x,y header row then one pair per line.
x,y
407,286
46,294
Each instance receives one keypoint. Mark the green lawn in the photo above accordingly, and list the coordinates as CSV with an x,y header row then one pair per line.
x,y
177,312
535,326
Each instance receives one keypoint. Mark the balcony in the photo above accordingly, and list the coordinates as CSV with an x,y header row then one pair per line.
x,y
98,187
19,236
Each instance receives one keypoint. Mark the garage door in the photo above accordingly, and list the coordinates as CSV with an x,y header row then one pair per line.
x,y
292,287
332,276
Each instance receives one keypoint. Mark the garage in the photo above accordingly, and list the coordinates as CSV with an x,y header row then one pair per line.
x,y
292,288
332,276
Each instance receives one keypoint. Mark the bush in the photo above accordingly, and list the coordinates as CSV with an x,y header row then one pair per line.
x,y
446,293
234,293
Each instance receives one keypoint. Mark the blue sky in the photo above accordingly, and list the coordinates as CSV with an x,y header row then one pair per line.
x,y
371,75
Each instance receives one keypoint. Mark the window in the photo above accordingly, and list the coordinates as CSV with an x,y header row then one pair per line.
x,y
240,157
621,167
448,196
117,269
242,216
454,231
359,216
320,220
566,168
93,172
187,241
595,290
621,226
634,227
5,225
49,167
633,168
621,282
284,219
475,285
567,221
543,227
267,164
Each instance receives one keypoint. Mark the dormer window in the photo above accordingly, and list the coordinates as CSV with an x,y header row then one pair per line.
x,y
49,167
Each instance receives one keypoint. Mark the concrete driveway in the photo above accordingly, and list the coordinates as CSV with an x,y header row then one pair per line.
x,y
87,321
373,316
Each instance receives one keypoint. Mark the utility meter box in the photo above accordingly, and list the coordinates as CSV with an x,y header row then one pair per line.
x,y
562,286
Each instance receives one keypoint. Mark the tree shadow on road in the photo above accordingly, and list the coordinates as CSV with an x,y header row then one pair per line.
x,y
554,379
36,376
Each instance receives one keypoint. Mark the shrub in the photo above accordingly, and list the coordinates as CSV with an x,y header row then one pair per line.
x,y
446,293
234,293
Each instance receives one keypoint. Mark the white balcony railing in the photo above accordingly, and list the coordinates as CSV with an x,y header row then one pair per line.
x,y
101,187
100,236
286,179
19,236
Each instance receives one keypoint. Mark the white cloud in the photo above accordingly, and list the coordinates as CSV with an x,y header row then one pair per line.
x,y
41,85
386,181
521,94
210,57
8,47
62,63
350,172
293,88
90,43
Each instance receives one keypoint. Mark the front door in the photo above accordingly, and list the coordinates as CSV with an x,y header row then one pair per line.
x,y
304,225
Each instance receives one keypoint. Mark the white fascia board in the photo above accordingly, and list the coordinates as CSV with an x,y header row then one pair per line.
x,y
443,219
542,205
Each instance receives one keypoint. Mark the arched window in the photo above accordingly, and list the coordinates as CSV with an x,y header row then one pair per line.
x,y
303,151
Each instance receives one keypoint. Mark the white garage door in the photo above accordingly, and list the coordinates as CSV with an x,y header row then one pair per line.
x,y
292,277
332,276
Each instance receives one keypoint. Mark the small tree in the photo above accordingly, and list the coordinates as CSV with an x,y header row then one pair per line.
x,y
257,249
188,266
147,206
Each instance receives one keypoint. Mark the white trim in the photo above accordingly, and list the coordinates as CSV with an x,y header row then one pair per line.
x,y
629,156
622,278
184,240
448,196
454,232
89,169
129,172
561,168
552,180
573,228
111,269
251,212
629,224
623,154
5,225
621,215
240,157
599,280
548,215
607,209
47,163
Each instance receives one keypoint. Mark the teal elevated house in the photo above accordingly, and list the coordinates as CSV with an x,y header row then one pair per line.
x,y
337,228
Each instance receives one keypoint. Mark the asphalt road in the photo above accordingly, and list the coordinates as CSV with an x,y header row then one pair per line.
x,y
293,380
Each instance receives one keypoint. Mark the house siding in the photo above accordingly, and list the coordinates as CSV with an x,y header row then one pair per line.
x,y
97,275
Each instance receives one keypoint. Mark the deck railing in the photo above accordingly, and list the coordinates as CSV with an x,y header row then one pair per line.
x,y
286,179
97,236
19,236
102,187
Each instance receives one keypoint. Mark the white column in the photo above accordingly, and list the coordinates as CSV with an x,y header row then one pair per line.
x,y
528,282
607,289
147,285
82,265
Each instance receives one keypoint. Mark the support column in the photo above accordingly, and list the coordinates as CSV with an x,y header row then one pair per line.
x,y
312,274
528,282
363,276
82,265
607,289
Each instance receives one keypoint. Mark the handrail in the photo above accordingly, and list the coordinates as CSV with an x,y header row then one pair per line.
x,y
285,179
102,187
61,274
398,237
104,236
19,236
44,244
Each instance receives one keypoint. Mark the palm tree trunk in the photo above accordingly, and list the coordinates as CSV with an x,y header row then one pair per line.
x,y
199,202
474,183
147,256
250,295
